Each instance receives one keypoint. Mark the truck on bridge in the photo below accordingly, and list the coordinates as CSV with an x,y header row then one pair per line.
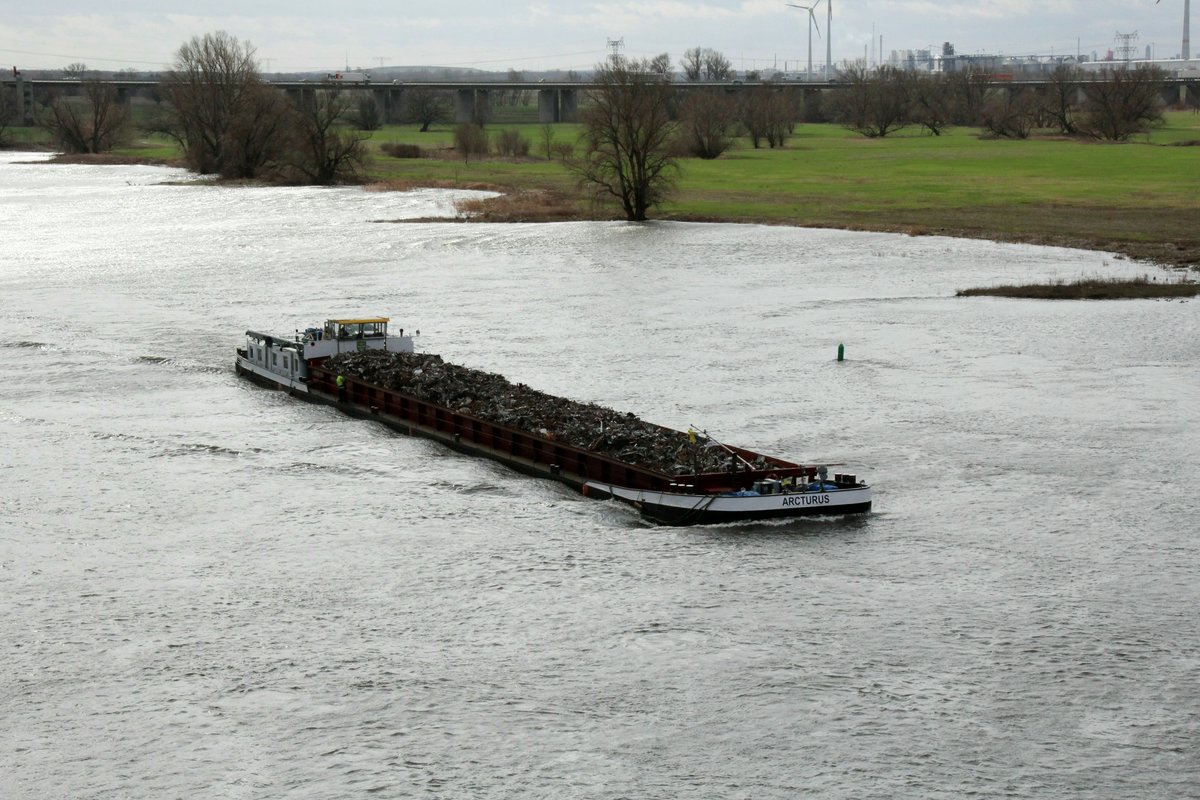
x,y
348,77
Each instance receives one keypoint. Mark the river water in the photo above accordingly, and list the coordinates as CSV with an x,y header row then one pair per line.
x,y
212,590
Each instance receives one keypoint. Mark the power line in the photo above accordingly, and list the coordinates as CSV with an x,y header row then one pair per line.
x,y
88,58
76,57
491,61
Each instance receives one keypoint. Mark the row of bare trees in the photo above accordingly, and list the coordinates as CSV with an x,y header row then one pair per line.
x,y
705,64
709,120
635,126
94,123
229,122
226,119
1111,105
632,134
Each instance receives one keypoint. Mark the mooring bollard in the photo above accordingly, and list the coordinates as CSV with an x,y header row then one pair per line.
x,y
841,352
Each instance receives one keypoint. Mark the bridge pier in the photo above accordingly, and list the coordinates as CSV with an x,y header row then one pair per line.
x,y
548,108
472,105
391,103
24,102
568,105
558,105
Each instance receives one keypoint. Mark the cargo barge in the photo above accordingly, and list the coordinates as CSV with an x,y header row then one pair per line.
x,y
315,364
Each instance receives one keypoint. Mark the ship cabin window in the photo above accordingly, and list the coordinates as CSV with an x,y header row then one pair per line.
x,y
274,359
358,329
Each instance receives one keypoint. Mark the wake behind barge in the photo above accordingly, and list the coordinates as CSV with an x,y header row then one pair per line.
x,y
748,485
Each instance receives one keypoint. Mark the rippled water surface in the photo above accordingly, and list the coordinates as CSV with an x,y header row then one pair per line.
x,y
212,590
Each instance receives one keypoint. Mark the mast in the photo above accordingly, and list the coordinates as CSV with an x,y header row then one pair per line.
x,y
1187,29
829,40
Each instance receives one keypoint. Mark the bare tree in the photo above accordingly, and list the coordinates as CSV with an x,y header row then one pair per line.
x,y
872,102
766,114
213,92
717,67
661,64
366,115
513,97
932,103
511,143
969,89
76,70
781,119
427,106
231,123
257,136
705,64
692,63
95,122
547,139
626,135
1122,102
706,121
752,113
470,140
1011,112
324,151
1061,99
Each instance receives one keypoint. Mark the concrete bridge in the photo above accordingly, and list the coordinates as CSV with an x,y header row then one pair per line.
x,y
558,101
472,101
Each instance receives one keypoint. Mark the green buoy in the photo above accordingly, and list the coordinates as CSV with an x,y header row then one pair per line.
x,y
841,352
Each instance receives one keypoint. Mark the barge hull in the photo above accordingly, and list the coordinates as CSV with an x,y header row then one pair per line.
x,y
666,499
269,380
668,515
679,509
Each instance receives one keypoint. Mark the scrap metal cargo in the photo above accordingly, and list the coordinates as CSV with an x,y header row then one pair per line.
x,y
672,476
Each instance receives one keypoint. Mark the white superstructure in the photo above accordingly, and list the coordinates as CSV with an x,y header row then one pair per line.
x,y
284,360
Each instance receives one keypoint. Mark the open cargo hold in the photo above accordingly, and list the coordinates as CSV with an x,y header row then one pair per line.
x,y
671,476
623,450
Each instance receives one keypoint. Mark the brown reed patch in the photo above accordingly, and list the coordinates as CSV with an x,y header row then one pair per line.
x,y
521,206
1091,289
407,185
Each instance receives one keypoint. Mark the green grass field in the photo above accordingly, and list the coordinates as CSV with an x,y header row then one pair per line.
x,y
1141,198
825,165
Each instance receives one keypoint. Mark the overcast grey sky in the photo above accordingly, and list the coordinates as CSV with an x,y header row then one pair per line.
x,y
294,35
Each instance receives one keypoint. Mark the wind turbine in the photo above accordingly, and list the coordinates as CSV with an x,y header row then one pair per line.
x,y
812,23
1187,28
828,40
